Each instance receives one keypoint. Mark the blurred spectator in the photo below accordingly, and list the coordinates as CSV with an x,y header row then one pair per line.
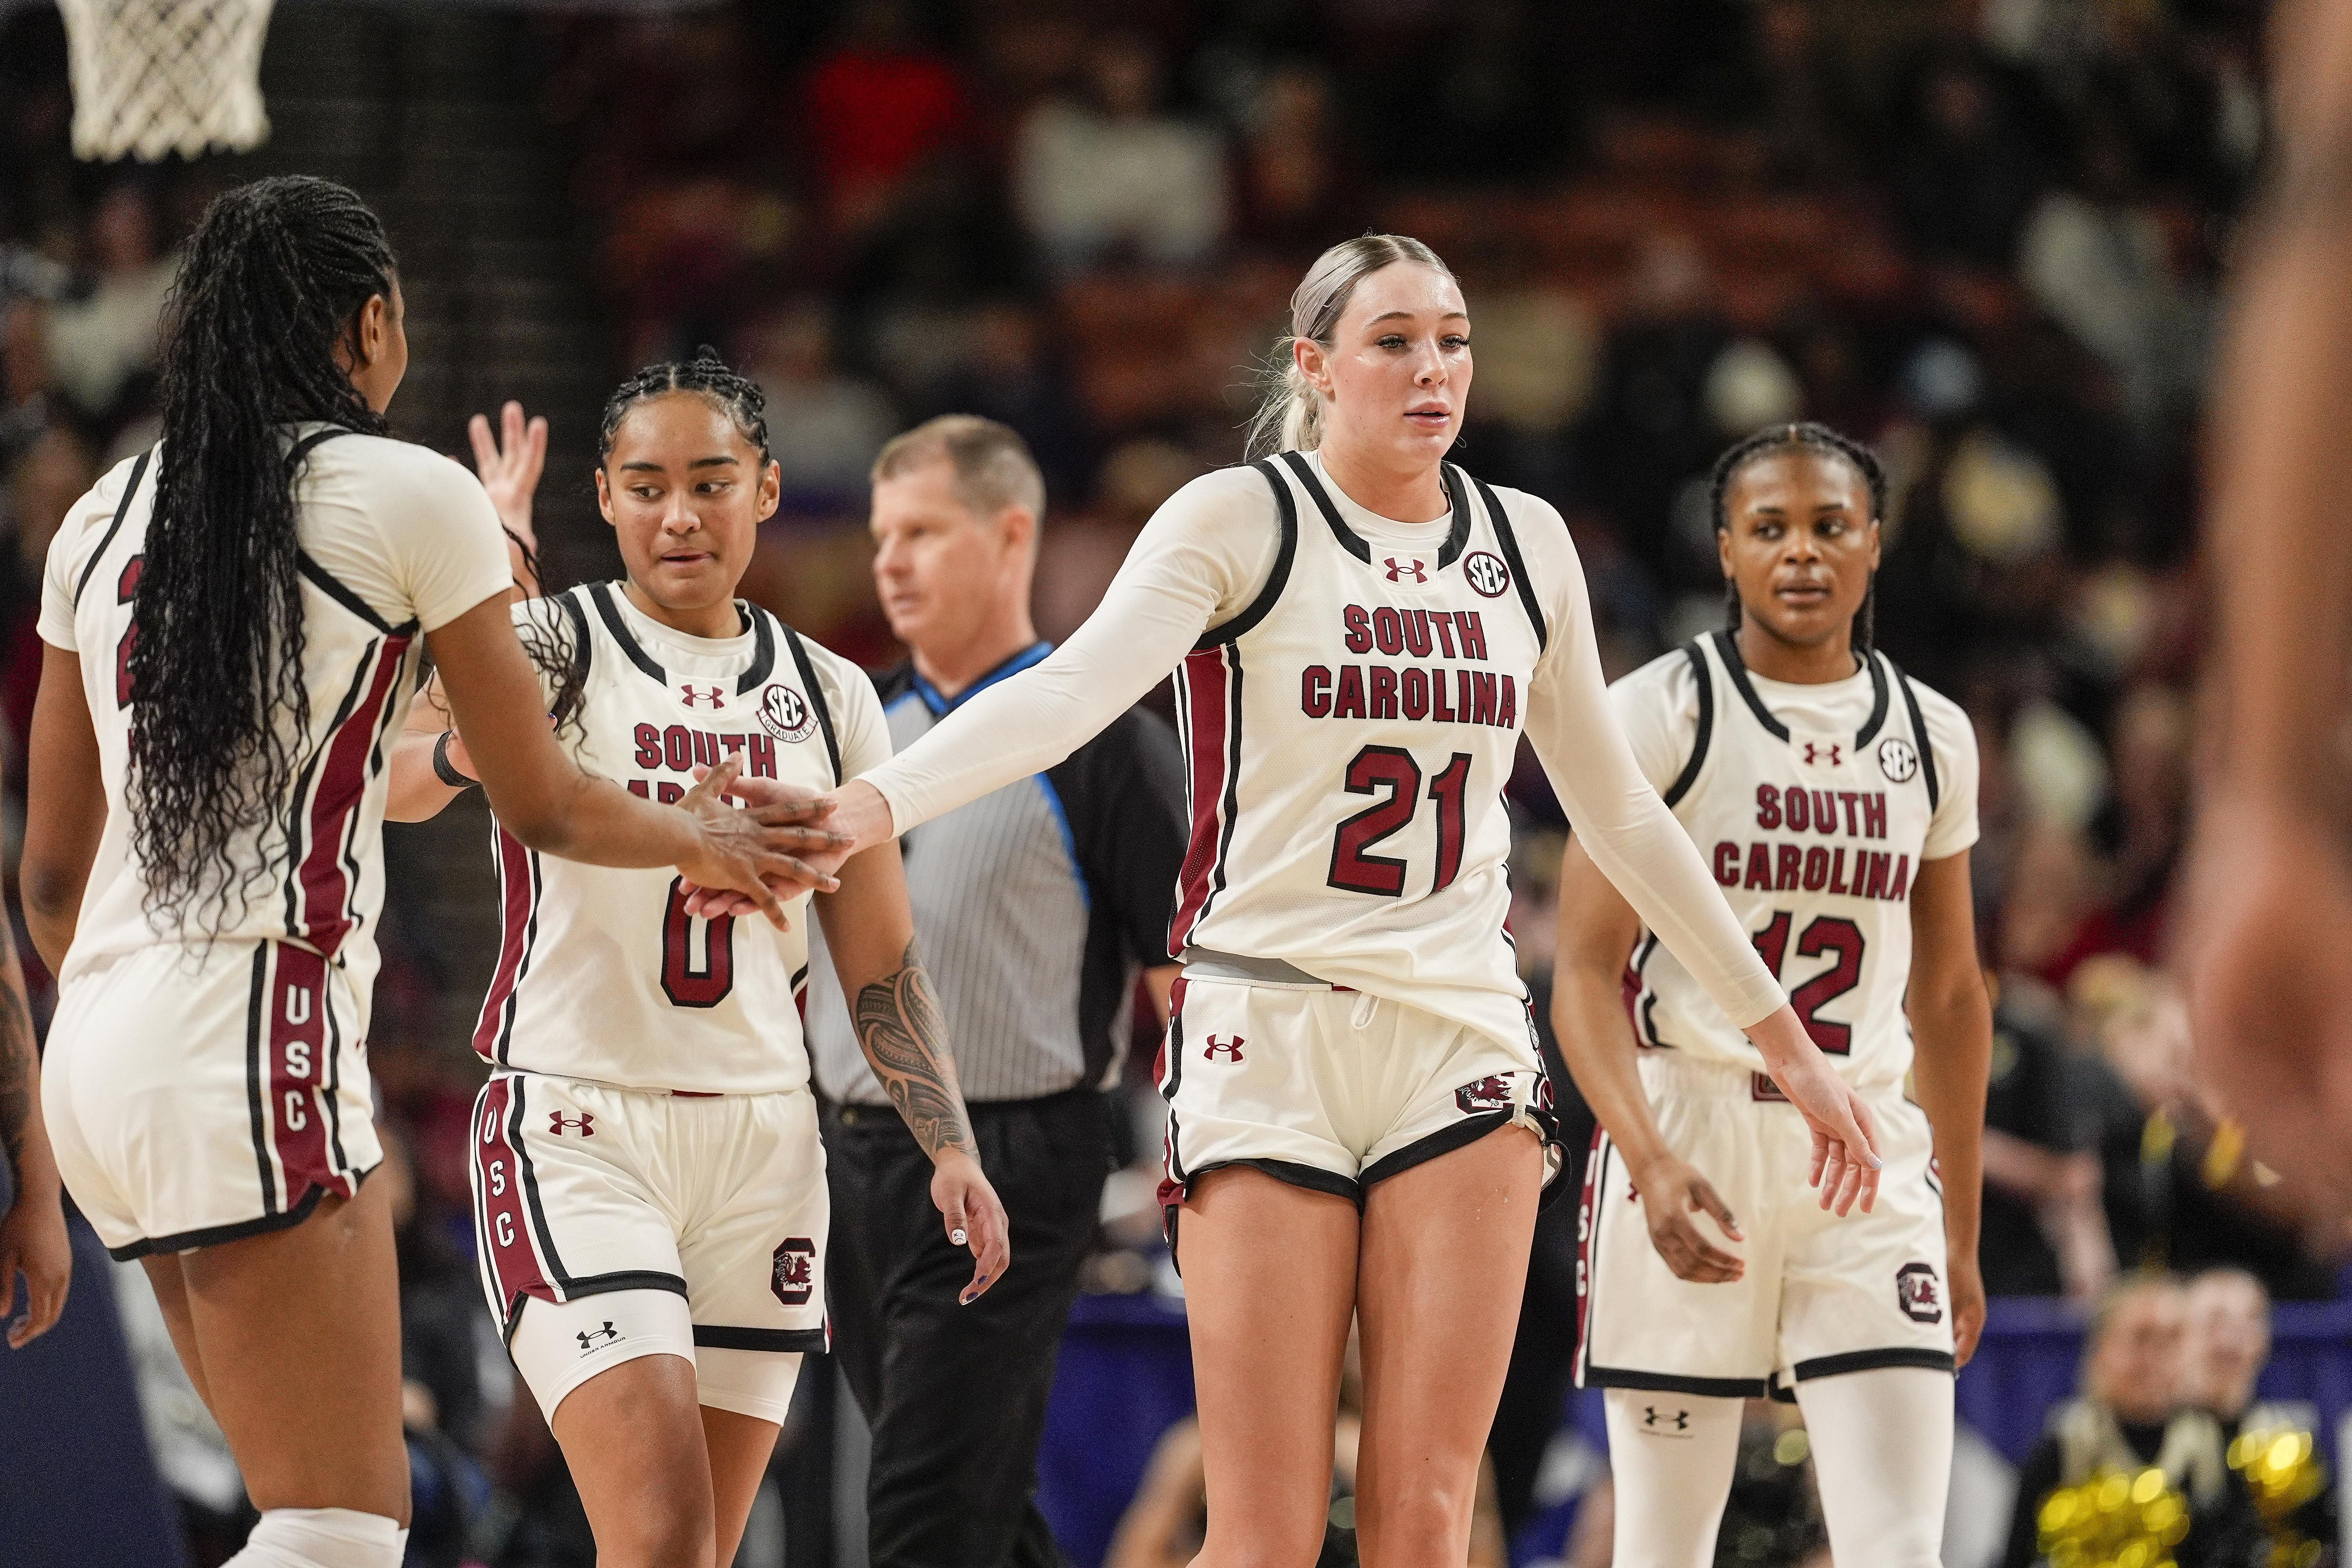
x,y
1297,185
1804,111
2133,1414
2230,1343
1965,171
875,105
825,426
101,346
2044,1232
1007,374
54,472
2150,792
1112,176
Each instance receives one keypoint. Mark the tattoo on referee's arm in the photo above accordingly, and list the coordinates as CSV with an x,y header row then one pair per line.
x,y
905,1038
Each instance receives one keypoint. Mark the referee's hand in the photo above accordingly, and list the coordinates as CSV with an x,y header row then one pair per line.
x,y
974,1217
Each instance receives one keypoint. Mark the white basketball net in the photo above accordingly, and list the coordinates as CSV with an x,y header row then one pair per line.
x,y
152,78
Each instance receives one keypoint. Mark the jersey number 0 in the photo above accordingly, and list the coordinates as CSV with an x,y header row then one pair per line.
x,y
682,982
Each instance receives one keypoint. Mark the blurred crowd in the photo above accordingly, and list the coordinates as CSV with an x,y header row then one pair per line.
x,y
1985,236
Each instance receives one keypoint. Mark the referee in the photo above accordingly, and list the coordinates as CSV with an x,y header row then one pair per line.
x,y
1036,907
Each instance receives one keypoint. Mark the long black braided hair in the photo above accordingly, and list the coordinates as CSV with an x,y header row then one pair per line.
x,y
271,285
545,637
1803,435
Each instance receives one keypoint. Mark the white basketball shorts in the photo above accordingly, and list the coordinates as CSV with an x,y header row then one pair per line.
x,y
581,1189
1822,1295
202,1095
1329,1089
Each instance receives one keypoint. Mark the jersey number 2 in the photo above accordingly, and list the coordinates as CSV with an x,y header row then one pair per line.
x,y
1829,933
682,982
126,588
1391,768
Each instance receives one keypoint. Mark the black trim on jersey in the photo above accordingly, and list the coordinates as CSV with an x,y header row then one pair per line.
x,y
1286,552
1649,1023
1674,1383
1689,775
1919,735
121,511
1871,1361
254,1009
764,647
611,614
724,1339
308,444
1350,539
582,643
1457,538
1444,1140
1869,729
326,582
1233,805
815,695
564,1280
1511,558
213,1236
1728,647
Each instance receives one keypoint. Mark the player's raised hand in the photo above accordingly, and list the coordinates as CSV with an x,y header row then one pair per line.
x,y
755,851
1672,1191
974,1217
511,463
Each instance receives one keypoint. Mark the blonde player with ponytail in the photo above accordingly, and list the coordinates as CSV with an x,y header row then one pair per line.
x,y
1357,1115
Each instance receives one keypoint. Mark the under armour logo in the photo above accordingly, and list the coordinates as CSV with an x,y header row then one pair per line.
x,y
1233,1049
1652,1416
690,694
1418,576
586,1122
1835,752
591,1338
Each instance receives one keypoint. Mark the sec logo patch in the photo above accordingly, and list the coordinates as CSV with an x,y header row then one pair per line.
x,y
1897,759
786,714
1486,573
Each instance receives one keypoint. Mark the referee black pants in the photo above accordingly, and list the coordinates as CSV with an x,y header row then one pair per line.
x,y
956,1395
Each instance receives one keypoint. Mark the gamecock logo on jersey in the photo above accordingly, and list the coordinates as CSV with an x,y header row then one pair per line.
x,y
1920,1293
786,714
1233,1049
1490,1093
794,1280
1398,568
1899,759
1486,572
691,697
558,1123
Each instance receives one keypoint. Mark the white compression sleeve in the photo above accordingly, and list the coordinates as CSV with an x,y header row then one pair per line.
x,y
1621,823
1196,562
1883,1453
323,1538
1670,1459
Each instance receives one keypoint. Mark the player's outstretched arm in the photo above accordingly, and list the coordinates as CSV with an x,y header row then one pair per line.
x,y
33,1231
869,929
1951,1024
543,797
1597,930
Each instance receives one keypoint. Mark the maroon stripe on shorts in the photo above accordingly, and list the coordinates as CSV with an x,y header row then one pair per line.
x,y
499,1192
1588,1218
297,1074
352,760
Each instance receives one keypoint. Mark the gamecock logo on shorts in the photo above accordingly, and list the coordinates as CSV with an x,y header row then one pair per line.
x,y
1490,1093
1486,573
794,1278
1920,1293
786,714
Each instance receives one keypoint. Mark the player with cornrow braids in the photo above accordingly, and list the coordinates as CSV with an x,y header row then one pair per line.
x,y
649,1186
233,620
1835,799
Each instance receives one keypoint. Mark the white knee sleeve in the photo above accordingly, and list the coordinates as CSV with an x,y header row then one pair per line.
x,y
323,1538
1882,1446
1670,1457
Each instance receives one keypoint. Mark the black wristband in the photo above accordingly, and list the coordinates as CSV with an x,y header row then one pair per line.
x,y
444,769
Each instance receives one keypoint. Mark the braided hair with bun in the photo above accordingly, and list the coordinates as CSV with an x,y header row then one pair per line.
x,y
1803,435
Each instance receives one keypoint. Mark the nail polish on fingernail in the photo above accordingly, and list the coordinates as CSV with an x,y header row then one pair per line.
x,y
958,1237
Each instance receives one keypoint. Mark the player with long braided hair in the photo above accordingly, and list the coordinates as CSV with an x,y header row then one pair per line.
x,y
1835,801
649,1189
233,621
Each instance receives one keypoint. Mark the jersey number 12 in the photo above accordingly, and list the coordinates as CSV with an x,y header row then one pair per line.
x,y
1831,934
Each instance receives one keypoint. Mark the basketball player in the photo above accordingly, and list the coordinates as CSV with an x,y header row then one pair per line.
x,y
233,621
1357,1112
1834,799
649,1190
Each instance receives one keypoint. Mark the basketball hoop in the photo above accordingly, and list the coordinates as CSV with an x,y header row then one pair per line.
x,y
152,78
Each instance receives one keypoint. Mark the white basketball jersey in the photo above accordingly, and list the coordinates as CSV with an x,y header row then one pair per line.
x,y
601,973
1814,809
1348,737
395,541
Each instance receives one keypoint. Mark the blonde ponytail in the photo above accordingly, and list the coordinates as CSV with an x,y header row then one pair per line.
x,y
1289,415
